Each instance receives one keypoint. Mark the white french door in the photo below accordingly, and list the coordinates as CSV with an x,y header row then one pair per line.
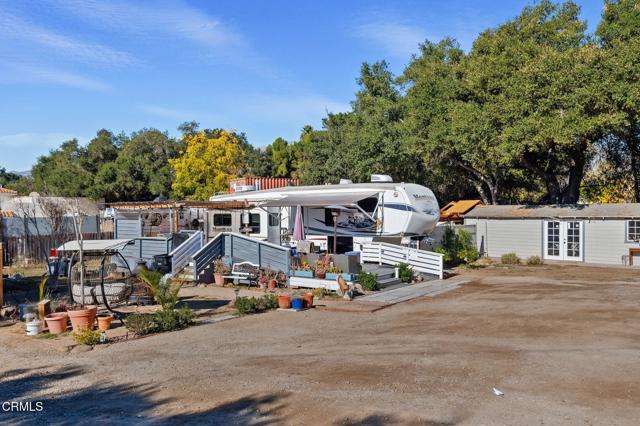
x,y
563,239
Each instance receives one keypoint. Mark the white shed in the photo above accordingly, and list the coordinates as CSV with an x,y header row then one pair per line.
x,y
597,233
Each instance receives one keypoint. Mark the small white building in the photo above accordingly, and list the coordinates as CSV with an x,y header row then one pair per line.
x,y
598,233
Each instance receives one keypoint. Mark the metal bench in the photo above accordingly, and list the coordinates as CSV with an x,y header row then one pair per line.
x,y
246,272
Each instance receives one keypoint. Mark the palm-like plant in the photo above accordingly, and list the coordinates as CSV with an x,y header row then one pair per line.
x,y
164,291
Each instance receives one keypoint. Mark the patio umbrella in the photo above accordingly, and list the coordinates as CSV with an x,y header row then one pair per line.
x,y
298,225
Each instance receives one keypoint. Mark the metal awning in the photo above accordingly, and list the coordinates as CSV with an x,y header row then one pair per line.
x,y
99,246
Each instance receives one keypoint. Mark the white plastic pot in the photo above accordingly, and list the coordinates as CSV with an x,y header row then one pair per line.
x,y
33,328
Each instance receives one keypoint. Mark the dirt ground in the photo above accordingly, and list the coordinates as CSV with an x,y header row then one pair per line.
x,y
562,343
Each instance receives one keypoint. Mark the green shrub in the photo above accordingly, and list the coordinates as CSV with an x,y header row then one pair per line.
x,y
368,280
467,251
159,321
510,259
251,305
164,291
87,336
534,260
185,317
140,324
405,272
457,247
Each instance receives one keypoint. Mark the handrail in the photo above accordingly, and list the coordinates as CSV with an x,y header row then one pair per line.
x,y
216,247
421,260
181,255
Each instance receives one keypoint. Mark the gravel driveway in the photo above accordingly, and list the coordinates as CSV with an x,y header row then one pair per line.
x,y
561,342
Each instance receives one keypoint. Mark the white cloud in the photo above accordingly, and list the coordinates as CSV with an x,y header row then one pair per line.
x,y
398,39
174,18
23,73
13,27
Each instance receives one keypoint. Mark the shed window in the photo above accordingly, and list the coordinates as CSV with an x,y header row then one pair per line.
x,y
633,230
223,219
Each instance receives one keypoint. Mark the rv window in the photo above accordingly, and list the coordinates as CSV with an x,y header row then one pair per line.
x,y
274,219
254,223
368,204
222,219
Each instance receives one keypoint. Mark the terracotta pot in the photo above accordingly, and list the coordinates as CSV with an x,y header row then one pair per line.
x,y
272,284
284,302
94,311
104,321
82,319
57,322
307,300
218,279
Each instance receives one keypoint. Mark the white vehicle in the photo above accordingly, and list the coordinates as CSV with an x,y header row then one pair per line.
x,y
378,208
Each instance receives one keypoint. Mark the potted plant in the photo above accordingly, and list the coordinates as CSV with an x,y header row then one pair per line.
x,y
57,322
304,270
220,269
307,300
284,301
83,318
104,321
333,272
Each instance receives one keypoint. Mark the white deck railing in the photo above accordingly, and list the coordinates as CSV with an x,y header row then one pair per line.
x,y
390,254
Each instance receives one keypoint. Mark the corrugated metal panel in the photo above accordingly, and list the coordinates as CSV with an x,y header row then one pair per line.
x,y
261,183
127,229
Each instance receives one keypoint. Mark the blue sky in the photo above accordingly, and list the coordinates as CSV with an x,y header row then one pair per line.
x,y
267,68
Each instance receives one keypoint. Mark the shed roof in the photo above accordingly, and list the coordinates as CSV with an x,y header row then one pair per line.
x,y
583,211
7,191
455,210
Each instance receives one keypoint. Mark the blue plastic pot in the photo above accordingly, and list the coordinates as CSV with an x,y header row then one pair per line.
x,y
297,304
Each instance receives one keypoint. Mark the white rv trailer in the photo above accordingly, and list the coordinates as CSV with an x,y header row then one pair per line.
x,y
364,210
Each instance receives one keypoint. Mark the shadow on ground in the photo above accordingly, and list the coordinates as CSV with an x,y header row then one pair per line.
x,y
119,404
390,420
202,304
66,402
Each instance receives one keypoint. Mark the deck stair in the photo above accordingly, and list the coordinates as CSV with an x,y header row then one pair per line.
x,y
423,261
386,276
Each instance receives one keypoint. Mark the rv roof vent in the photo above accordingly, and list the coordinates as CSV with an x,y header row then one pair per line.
x,y
245,188
381,178
345,181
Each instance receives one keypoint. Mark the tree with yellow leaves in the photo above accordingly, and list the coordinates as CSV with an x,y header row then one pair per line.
x,y
209,160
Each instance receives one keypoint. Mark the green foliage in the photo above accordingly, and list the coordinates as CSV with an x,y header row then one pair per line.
x,y
405,272
164,291
457,247
534,261
42,286
368,280
252,305
170,319
160,321
140,324
510,259
87,337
